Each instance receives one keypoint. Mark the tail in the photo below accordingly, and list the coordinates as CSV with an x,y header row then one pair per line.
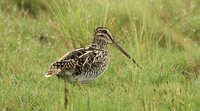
x,y
59,66
52,72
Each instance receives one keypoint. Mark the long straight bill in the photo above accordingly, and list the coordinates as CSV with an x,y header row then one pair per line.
x,y
125,53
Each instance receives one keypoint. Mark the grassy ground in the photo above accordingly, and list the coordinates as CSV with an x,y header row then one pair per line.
x,y
163,36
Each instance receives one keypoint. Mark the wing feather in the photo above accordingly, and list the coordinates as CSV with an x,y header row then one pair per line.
x,y
77,61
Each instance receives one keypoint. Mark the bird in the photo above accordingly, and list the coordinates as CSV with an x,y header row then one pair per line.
x,y
85,65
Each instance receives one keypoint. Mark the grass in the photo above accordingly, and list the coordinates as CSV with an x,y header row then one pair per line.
x,y
36,34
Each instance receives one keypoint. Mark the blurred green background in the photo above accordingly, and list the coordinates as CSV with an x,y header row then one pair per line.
x,y
162,35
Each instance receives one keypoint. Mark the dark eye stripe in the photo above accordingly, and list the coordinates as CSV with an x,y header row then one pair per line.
x,y
104,31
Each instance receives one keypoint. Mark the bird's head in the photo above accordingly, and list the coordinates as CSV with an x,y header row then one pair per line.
x,y
103,34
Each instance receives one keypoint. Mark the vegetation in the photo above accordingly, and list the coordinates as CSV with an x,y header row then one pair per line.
x,y
162,35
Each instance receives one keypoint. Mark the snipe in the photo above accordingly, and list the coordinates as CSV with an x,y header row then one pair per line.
x,y
86,64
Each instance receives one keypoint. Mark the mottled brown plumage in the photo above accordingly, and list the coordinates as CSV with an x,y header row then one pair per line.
x,y
86,64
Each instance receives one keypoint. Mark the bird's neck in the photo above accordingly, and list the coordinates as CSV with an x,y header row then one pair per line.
x,y
100,43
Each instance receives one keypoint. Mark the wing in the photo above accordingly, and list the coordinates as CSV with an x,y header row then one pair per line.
x,y
85,62
73,61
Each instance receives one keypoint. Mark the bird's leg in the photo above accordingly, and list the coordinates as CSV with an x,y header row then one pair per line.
x,y
77,82
88,100
79,85
66,92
